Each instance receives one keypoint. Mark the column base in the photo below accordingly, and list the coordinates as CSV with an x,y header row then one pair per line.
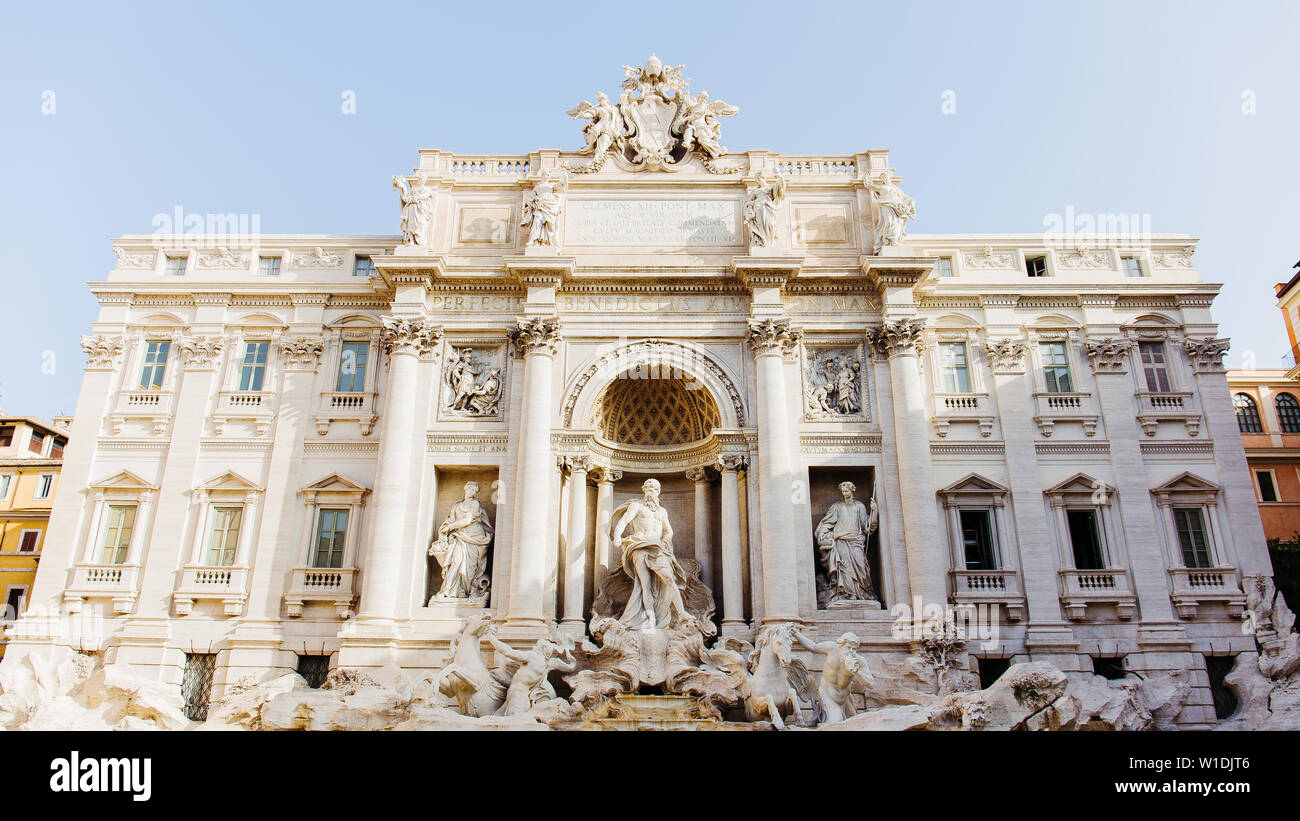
x,y
735,629
576,628
1044,638
520,630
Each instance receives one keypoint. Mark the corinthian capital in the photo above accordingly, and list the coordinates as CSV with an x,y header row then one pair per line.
x,y
409,336
901,337
601,474
773,335
728,462
1006,355
536,335
201,352
1206,353
101,351
301,353
1108,355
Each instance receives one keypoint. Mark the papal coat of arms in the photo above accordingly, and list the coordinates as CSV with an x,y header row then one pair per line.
x,y
657,124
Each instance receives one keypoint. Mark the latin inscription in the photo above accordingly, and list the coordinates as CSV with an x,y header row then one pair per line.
x,y
659,223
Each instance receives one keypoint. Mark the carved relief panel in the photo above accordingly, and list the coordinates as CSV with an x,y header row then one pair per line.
x,y
473,380
834,388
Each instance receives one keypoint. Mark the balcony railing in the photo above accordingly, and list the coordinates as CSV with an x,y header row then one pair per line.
x,y
1110,586
199,582
321,584
962,407
256,406
151,405
1194,586
1171,406
358,406
1053,408
990,587
118,582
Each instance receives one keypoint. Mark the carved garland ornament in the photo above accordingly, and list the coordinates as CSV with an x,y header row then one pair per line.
x,y
1108,355
1006,354
101,350
1207,353
301,353
201,352
536,335
774,335
411,336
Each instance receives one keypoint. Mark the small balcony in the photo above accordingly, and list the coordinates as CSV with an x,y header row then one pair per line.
x,y
990,587
1194,586
155,407
119,582
1155,408
254,406
1108,587
203,582
962,407
356,406
335,586
1054,408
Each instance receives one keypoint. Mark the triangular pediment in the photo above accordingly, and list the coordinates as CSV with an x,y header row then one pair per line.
x,y
974,483
228,481
1081,483
335,483
1188,482
123,480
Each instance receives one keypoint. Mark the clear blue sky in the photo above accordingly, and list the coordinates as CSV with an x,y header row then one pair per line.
x,y
1129,107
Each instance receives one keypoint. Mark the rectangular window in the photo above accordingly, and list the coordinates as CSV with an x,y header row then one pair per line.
x,y
1109,667
6,436
314,668
331,533
1132,266
57,446
1085,539
117,533
14,603
175,266
977,538
155,365
990,670
268,266
224,538
364,267
30,541
352,367
1036,266
196,684
1056,368
1192,537
44,485
253,370
1154,367
37,443
1267,487
5,480
952,364
943,266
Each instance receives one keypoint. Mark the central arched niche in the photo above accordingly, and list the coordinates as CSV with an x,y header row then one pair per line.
x,y
656,413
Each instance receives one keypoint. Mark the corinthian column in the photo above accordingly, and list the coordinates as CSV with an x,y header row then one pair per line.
x,y
403,340
922,537
605,479
772,340
537,338
733,585
703,550
575,556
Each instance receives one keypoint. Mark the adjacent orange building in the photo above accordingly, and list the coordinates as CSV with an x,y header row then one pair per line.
x,y
1267,402
31,453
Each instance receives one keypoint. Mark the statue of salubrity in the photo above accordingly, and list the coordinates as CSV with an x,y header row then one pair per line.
x,y
461,551
842,538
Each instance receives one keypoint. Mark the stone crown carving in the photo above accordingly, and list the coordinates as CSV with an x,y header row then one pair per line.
x,y
1108,355
906,336
301,353
1207,353
774,335
319,258
224,258
1007,354
201,352
413,336
101,350
125,259
536,335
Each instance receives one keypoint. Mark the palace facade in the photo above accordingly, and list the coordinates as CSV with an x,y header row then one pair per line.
x,y
273,430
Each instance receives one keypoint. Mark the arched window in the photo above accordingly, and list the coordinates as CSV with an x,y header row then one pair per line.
x,y
1288,413
1247,413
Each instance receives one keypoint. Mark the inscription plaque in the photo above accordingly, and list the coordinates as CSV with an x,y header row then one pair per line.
x,y
657,223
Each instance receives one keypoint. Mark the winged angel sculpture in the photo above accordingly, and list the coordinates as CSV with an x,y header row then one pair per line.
x,y
657,123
